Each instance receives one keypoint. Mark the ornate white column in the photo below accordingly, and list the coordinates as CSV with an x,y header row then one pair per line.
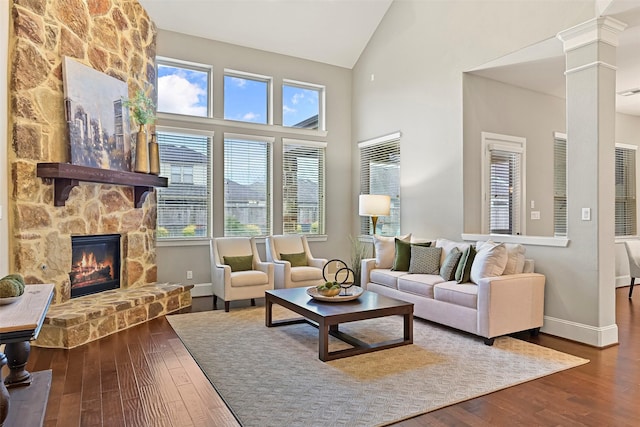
x,y
590,50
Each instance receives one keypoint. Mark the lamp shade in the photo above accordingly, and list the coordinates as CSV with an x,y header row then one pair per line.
x,y
374,205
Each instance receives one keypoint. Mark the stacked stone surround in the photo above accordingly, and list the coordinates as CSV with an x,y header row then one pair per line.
x,y
91,317
115,37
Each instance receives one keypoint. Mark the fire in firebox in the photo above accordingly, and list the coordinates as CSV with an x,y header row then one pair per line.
x,y
89,271
95,264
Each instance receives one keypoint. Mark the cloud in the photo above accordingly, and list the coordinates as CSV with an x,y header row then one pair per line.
x,y
288,110
241,83
179,95
296,98
250,117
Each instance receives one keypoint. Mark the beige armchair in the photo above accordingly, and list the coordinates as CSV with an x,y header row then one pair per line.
x,y
294,266
237,272
633,252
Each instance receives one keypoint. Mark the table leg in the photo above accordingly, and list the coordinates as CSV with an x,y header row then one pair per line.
x,y
4,394
408,327
323,341
17,355
268,307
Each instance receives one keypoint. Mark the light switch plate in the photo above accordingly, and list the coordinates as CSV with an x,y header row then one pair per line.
x,y
535,214
586,214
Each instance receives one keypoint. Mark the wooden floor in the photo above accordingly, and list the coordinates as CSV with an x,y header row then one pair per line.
x,y
145,377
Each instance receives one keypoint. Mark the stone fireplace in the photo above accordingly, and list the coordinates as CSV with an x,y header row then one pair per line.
x,y
115,37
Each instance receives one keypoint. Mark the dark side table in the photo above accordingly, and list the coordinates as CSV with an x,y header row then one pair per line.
x,y
20,322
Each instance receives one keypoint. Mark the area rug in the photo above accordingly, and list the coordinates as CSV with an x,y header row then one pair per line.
x,y
271,377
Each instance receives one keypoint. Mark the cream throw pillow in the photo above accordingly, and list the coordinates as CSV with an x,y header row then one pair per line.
x,y
490,261
386,249
515,258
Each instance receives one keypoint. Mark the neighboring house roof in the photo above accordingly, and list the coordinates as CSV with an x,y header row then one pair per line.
x,y
180,154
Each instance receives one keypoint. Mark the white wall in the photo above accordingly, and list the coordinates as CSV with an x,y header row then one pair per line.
x,y
4,137
174,261
492,106
418,55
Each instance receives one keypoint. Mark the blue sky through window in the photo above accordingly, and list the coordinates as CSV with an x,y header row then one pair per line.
x,y
245,99
183,90
298,105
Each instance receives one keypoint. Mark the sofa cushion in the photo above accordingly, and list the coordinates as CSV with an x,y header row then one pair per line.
x,y
403,254
299,274
515,258
425,260
248,278
448,245
386,277
463,271
465,294
419,284
385,249
239,263
490,261
448,268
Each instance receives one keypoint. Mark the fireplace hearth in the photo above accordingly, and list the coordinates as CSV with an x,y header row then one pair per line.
x,y
95,264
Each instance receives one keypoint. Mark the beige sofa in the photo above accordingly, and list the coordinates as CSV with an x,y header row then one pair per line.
x,y
492,306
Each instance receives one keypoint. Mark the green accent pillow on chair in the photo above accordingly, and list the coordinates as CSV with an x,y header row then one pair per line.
x,y
239,263
296,260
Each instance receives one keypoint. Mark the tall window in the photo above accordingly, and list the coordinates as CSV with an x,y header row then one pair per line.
x,y
503,187
247,185
247,97
560,185
625,171
380,174
303,187
302,105
184,88
184,206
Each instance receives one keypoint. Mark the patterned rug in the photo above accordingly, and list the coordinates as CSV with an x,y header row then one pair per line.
x,y
272,377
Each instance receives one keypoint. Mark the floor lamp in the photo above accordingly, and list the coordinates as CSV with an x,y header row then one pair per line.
x,y
374,205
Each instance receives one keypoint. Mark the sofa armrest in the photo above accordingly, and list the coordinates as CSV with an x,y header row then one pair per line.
x,y
317,262
366,265
510,303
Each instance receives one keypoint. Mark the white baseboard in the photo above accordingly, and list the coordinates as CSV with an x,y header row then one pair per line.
x,y
592,335
201,290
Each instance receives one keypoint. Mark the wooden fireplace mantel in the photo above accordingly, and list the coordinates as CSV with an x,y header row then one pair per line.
x,y
65,176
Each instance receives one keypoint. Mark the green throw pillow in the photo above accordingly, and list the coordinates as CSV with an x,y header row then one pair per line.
x,y
424,260
296,260
448,269
239,263
403,254
463,271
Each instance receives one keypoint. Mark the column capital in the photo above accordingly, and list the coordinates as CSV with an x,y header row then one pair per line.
x,y
604,29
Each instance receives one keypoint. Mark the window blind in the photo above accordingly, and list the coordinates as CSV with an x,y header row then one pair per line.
x,y
505,191
303,166
247,186
560,186
625,175
380,174
184,207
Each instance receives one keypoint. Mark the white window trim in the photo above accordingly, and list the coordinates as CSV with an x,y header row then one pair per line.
x,y
321,99
258,77
507,143
163,60
634,148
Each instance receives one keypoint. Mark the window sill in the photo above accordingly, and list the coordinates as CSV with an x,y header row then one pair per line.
x,y
204,241
561,242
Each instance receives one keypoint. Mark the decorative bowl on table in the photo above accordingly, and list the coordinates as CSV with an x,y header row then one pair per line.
x,y
11,288
353,293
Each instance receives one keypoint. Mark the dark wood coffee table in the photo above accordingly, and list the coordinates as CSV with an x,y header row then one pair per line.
x,y
326,316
